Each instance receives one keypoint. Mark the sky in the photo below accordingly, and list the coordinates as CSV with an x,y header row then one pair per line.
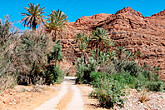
x,y
78,8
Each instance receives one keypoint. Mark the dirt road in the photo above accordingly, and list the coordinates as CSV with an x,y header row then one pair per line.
x,y
69,98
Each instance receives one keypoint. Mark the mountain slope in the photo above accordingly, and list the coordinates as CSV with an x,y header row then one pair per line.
x,y
130,29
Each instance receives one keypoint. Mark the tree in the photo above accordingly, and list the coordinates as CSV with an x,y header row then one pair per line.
x,y
82,38
33,16
56,23
4,30
83,44
100,40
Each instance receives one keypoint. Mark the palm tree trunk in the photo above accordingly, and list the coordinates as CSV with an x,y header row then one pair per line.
x,y
84,58
99,51
55,35
96,51
34,25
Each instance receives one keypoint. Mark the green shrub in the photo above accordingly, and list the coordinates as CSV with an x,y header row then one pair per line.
x,y
150,75
122,66
125,79
5,27
108,92
37,56
53,74
56,53
31,56
83,70
28,55
155,86
95,76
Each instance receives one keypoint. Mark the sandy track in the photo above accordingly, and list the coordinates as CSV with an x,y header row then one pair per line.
x,y
76,102
69,98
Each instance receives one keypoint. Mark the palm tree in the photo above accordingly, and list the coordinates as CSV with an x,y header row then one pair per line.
x,y
82,38
82,41
83,50
33,16
56,23
100,40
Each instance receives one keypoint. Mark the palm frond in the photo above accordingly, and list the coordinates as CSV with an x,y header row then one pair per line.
x,y
33,16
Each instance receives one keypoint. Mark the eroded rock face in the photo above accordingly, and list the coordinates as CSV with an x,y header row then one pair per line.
x,y
130,29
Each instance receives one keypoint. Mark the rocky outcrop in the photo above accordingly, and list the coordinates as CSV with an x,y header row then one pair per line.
x,y
127,28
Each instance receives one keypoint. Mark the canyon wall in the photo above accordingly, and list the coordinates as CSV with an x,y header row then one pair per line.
x,y
127,28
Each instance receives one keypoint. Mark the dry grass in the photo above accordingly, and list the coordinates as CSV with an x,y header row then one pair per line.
x,y
143,96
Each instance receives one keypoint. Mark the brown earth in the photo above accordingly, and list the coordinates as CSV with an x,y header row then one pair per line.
x,y
128,28
26,97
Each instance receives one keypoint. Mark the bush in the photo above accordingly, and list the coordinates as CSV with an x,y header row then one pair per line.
x,y
125,79
31,56
122,66
7,81
155,86
107,91
83,70
56,53
53,74
37,56
95,76
7,42
110,87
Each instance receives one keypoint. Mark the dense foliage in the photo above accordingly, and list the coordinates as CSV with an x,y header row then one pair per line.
x,y
107,90
33,54
7,39
112,71
30,57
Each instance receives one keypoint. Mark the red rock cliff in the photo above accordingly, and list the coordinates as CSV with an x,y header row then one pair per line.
x,y
127,28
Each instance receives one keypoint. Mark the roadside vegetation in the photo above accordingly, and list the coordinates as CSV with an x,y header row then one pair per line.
x,y
32,56
112,70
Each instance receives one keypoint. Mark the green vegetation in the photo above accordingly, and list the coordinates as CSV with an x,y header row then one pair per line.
x,y
31,57
107,90
110,72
